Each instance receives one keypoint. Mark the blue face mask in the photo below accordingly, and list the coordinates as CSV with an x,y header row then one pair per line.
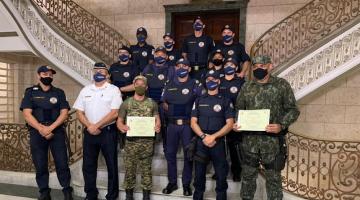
x,y
198,26
182,73
227,38
159,60
141,38
212,85
229,70
124,58
98,77
168,45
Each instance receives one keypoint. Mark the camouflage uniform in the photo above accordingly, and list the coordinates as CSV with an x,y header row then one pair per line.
x,y
262,147
141,149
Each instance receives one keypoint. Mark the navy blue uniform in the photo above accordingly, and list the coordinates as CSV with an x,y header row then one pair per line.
x,y
142,55
180,98
230,89
173,56
197,50
46,107
123,75
236,50
212,111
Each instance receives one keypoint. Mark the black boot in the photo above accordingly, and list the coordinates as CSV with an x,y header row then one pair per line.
x,y
171,187
129,194
146,194
187,190
45,196
68,195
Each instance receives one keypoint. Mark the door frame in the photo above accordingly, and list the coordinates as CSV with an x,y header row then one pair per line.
x,y
241,5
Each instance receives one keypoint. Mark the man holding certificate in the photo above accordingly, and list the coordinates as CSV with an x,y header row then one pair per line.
x,y
212,118
139,118
266,107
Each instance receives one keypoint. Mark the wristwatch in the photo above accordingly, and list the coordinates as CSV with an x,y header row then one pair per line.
x,y
203,136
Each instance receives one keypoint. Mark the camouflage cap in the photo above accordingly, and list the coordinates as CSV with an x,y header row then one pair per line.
x,y
140,77
261,59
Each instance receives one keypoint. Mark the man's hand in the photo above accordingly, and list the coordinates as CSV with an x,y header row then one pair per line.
x,y
273,128
157,128
93,129
49,136
209,141
236,127
165,106
123,128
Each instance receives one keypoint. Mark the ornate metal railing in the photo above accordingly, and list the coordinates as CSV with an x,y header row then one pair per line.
x,y
309,25
15,147
321,169
93,34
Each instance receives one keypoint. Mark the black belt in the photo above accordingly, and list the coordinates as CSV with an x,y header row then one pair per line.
x,y
46,123
179,121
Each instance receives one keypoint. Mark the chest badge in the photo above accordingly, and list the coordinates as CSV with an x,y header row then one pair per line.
x,y
217,108
233,89
126,74
161,77
185,91
53,100
230,52
171,57
201,44
144,53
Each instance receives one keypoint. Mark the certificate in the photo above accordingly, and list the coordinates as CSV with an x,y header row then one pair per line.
x,y
253,120
140,126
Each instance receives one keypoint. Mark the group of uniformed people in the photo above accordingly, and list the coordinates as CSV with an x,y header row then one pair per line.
x,y
194,95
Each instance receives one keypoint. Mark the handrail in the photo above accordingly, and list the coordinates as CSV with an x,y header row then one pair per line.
x,y
15,145
86,29
306,28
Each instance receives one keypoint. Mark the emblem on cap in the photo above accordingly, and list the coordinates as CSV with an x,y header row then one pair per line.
x,y
171,58
233,89
144,53
231,52
126,74
217,108
227,26
140,29
211,72
161,77
53,100
185,91
201,44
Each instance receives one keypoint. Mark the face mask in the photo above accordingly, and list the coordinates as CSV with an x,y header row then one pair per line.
x,y
124,58
140,90
98,77
211,85
229,70
260,73
227,38
159,60
217,62
46,80
182,72
168,45
141,38
198,26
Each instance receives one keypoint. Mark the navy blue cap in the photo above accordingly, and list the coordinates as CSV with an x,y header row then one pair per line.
x,y
232,60
141,30
183,61
168,35
45,68
160,48
100,65
125,48
217,51
227,27
213,73
196,18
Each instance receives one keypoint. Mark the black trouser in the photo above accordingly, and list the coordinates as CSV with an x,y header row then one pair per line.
x,y
107,142
39,147
233,139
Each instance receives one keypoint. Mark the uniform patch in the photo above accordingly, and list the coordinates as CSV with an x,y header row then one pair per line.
x,y
171,57
201,44
53,100
126,74
144,53
217,108
231,105
230,52
35,88
194,106
233,89
161,77
185,91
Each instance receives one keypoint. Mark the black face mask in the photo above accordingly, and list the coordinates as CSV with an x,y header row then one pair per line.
x,y
260,73
46,80
217,62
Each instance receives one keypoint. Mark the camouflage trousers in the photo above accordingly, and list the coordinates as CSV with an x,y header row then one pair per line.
x,y
138,153
249,174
